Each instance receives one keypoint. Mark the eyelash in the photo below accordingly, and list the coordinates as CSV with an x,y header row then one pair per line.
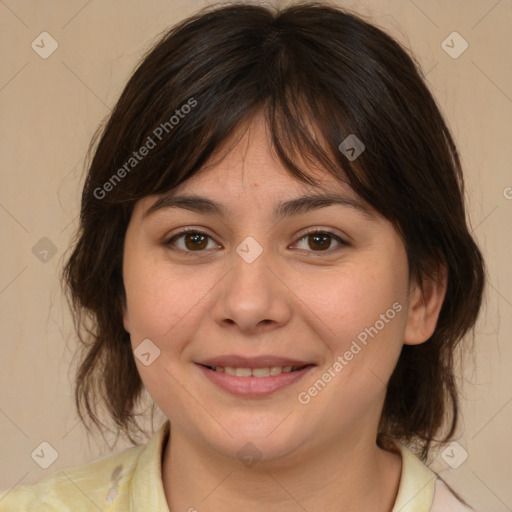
x,y
171,240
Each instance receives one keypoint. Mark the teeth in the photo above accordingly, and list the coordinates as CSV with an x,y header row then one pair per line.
x,y
256,372
261,372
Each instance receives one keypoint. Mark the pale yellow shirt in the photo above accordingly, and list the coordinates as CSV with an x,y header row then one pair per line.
x,y
131,480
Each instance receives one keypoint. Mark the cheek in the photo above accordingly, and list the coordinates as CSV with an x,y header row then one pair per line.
x,y
354,299
157,296
160,305
366,315
366,321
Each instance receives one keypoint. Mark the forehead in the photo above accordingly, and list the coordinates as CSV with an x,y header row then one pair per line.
x,y
246,166
248,159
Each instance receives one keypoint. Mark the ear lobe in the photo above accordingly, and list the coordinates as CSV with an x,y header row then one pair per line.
x,y
126,316
424,308
126,321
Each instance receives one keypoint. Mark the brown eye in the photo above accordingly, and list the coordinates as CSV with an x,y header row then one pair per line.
x,y
320,241
193,241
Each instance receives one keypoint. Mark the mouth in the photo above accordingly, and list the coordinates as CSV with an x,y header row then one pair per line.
x,y
253,378
269,371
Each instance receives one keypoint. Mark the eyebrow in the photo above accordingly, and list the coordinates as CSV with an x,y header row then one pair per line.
x,y
291,207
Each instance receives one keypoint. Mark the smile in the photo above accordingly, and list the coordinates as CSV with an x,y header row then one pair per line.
x,y
255,372
255,382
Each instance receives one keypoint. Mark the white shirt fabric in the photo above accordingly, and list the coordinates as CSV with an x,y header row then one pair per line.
x,y
131,480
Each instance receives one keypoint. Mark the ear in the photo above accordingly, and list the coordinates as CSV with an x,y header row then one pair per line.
x,y
424,308
126,316
126,321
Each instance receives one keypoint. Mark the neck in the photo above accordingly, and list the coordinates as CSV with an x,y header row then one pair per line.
x,y
351,475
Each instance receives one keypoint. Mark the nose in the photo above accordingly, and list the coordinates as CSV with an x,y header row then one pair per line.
x,y
252,298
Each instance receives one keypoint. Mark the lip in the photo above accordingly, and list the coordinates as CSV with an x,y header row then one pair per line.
x,y
254,387
235,361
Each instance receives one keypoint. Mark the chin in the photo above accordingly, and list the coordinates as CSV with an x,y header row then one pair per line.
x,y
259,443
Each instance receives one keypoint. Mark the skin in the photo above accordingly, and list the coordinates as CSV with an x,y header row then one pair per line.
x,y
294,300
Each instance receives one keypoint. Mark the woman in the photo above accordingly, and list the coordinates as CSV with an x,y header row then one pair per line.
x,y
273,243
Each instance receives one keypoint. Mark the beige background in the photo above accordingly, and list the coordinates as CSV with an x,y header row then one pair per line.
x,y
49,110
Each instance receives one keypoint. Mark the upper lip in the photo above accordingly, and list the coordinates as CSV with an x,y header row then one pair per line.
x,y
234,361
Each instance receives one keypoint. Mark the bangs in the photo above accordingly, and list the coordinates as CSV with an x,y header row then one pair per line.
x,y
313,97
302,135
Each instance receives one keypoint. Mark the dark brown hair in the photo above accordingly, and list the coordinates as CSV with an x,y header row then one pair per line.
x,y
317,73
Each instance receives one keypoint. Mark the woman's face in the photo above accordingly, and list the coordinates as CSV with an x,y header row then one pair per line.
x,y
251,293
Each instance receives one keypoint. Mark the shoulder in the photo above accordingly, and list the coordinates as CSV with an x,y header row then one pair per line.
x,y
421,490
445,500
80,489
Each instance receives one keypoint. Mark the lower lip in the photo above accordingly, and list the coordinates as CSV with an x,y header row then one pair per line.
x,y
253,387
